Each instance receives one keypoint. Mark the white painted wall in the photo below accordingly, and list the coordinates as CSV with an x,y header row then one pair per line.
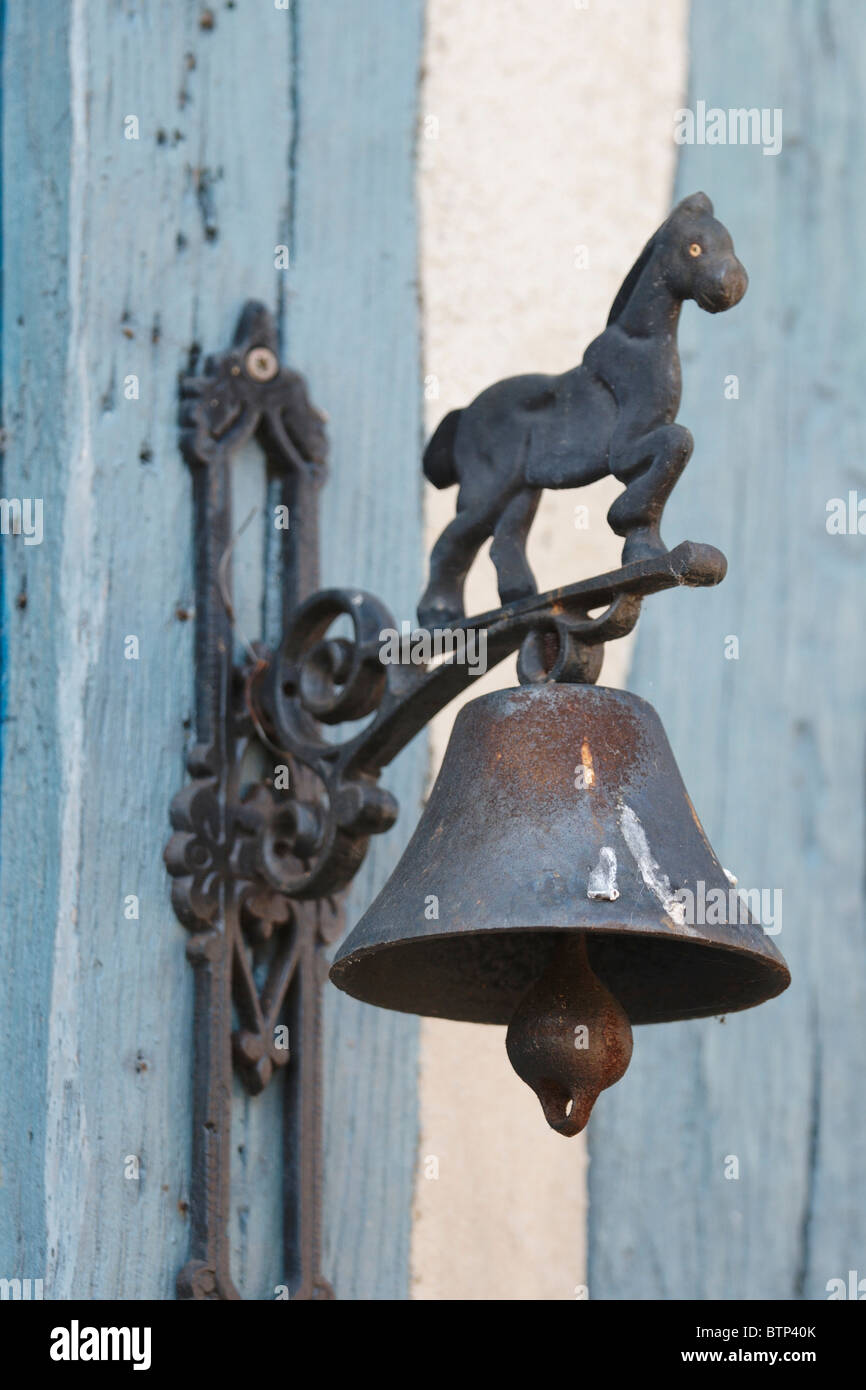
x,y
546,126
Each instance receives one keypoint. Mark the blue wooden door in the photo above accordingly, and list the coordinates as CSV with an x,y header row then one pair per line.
x,y
162,163
729,1162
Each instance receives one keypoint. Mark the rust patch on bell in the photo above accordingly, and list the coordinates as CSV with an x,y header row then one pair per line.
x,y
539,727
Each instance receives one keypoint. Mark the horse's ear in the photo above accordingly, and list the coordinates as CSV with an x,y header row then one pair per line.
x,y
696,202
631,280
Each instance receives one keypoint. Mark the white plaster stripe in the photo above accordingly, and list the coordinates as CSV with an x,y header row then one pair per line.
x,y
543,125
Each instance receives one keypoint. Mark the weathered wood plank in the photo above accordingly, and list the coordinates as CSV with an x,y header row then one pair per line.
x,y
353,328
35,315
119,255
770,745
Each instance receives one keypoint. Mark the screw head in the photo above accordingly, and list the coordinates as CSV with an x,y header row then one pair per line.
x,y
261,364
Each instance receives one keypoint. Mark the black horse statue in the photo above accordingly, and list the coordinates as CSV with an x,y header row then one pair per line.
x,y
614,413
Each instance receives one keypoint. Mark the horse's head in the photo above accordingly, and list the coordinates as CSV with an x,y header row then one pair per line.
x,y
699,257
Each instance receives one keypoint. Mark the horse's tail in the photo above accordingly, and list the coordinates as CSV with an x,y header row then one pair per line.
x,y
439,465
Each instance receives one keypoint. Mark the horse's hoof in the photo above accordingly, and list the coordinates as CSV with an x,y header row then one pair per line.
x,y
642,547
509,596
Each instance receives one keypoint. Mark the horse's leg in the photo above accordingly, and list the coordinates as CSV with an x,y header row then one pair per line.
x,y
650,468
508,552
450,561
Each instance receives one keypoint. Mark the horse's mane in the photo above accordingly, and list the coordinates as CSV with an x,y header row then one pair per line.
x,y
628,284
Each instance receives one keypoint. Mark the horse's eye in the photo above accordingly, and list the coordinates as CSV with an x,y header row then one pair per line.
x,y
695,249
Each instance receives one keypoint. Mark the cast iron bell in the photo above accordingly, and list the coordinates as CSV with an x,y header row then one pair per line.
x,y
550,886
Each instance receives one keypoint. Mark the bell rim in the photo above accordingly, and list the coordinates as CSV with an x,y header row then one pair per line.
x,y
769,960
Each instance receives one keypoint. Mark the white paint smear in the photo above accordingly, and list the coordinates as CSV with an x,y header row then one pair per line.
x,y
602,880
657,882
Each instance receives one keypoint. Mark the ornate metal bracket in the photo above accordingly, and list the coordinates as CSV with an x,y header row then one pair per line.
x,y
258,862
224,892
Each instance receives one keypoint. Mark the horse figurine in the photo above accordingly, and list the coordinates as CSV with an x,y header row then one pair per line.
x,y
615,413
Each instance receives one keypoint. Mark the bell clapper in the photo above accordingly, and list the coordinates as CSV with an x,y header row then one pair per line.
x,y
569,1038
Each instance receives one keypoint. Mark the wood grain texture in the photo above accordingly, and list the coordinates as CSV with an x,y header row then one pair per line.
x,y
770,745
119,256
353,328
